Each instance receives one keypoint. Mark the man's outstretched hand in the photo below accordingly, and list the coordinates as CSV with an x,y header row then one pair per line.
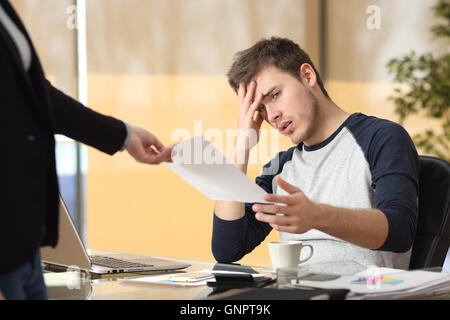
x,y
144,147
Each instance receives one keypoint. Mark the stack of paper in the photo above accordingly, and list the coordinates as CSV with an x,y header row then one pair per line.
x,y
383,283
192,279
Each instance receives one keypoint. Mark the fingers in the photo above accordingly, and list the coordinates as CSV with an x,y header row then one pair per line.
x,y
279,223
275,198
254,106
287,228
242,90
285,199
246,94
269,208
250,95
166,153
248,126
158,144
153,157
146,148
259,120
170,151
274,219
289,188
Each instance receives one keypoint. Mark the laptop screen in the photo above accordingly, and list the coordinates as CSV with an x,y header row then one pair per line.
x,y
70,250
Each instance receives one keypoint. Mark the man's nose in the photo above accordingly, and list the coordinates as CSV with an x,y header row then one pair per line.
x,y
273,115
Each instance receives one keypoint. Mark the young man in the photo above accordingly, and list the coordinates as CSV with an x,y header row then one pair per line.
x,y
349,186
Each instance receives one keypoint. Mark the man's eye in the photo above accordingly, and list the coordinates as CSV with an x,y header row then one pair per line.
x,y
261,108
276,95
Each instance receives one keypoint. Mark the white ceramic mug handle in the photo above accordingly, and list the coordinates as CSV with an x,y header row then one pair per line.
x,y
310,254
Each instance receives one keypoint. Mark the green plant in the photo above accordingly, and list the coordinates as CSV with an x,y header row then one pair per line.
x,y
425,87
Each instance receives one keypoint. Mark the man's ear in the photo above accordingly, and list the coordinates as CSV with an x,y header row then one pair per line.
x,y
308,75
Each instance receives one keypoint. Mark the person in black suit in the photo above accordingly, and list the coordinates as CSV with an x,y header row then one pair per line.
x,y
31,112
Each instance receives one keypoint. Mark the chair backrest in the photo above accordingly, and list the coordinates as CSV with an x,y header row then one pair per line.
x,y
433,228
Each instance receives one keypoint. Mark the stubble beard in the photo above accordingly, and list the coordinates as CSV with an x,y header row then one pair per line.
x,y
311,121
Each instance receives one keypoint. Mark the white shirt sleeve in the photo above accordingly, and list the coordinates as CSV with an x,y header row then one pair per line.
x,y
18,37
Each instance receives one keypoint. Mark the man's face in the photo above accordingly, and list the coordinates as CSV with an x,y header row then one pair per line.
x,y
290,106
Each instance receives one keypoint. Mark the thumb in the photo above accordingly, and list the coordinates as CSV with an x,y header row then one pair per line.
x,y
151,156
286,186
167,153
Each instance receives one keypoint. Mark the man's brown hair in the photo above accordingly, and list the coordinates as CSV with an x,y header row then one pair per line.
x,y
279,52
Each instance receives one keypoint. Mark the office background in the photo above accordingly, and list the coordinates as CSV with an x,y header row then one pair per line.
x,y
161,65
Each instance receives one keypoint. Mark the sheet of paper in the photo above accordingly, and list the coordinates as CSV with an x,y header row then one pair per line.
x,y
165,280
190,279
387,281
200,164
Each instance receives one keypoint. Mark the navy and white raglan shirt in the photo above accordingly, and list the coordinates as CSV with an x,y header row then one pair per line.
x,y
366,163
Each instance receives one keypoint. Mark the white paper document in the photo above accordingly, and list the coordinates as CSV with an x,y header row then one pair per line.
x,y
198,278
384,282
203,166
190,279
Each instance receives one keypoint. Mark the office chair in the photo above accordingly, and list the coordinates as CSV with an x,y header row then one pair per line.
x,y
433,229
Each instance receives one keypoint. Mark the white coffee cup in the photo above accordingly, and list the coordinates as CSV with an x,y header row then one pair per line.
x,y
287,253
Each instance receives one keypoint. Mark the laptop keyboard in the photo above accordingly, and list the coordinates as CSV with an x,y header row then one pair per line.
x,y
116,263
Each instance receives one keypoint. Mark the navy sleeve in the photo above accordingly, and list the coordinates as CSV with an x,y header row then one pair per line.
x,y
394,164
232,240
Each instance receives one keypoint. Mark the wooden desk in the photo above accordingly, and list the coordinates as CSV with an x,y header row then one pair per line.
x,y
109,288
63,286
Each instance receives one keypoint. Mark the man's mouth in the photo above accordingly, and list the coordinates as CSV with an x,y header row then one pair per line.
x,y
285,126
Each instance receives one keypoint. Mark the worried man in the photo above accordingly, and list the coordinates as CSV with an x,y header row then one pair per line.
x,y
348,187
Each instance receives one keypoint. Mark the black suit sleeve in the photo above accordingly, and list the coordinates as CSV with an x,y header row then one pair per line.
x,y
80,123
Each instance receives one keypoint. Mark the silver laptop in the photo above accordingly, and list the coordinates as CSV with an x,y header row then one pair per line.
x,y
71,253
